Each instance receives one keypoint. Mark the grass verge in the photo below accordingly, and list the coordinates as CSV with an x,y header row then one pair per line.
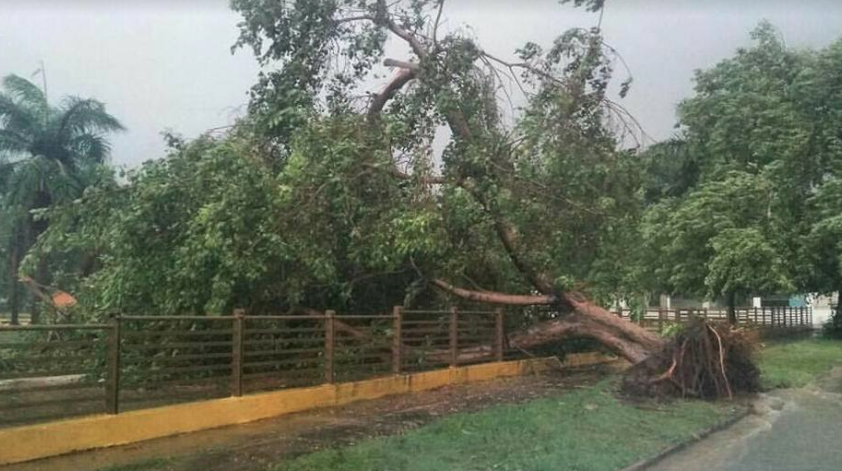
x,y
794,364
583,430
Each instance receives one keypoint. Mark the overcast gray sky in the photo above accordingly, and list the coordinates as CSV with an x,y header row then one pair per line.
x,y
167,64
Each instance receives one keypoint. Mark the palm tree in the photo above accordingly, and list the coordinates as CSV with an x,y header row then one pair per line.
x,y
47,156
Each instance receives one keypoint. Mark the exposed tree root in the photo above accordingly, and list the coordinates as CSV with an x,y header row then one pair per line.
x,y
706,360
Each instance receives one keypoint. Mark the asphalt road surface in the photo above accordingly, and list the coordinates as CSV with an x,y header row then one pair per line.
x,y
792,430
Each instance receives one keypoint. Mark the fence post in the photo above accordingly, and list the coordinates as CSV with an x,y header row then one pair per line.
x,y
112,380
498,334
397,339
454,341
237,328
330,341
660,319
755,315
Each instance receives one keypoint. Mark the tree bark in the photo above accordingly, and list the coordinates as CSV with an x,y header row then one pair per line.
x,y
14,286
588,320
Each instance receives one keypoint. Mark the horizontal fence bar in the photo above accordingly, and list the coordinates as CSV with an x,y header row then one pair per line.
x,y
249,331
41,374
25,328
408,311
191,333
47,403
177,318
168,346
293,330
291,351
52,344
296,373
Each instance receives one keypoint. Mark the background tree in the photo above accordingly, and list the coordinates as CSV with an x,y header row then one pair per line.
x,y
760,139
47,156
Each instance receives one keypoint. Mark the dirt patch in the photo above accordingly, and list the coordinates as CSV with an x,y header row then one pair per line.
x,y
257,445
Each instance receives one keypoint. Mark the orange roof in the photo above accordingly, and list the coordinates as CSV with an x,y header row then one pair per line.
x,y
63,299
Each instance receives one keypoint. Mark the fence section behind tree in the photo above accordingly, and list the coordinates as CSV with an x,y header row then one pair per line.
x,y
767,316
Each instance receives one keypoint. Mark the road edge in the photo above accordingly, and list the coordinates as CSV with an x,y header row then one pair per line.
x,y
695,438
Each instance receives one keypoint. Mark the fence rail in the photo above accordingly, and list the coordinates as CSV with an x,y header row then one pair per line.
x,y
767,316
134,362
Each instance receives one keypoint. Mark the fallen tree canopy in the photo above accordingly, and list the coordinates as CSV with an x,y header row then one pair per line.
x,y
334,196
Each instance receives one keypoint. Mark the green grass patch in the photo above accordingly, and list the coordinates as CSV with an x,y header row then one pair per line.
x,y
147,465
583,430
795,364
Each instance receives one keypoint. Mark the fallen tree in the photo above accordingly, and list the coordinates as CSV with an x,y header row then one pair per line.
x,y
450,80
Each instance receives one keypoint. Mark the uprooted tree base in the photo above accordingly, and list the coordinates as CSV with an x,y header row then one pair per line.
x,y
706,360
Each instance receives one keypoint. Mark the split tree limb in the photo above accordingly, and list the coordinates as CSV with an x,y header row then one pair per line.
x,y
492,297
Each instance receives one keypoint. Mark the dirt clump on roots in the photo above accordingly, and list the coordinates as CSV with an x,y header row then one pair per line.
x,y
705,360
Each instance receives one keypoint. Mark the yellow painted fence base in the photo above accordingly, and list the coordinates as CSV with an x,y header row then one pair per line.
x,y
55,438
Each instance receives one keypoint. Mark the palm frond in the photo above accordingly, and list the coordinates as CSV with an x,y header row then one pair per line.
x,y
12,142
14,115
27,92
90,148
82,115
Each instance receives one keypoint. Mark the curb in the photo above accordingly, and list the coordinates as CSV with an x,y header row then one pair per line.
x,y
672,449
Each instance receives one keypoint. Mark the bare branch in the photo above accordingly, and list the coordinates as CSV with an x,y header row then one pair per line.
x,y
351,19
384,19
436,25
493,297
398,81
401,64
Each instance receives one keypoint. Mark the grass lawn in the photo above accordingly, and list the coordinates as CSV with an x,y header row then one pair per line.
x,y
794,364
587,429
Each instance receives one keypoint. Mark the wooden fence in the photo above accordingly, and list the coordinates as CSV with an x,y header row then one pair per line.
x,y
132,362
772,317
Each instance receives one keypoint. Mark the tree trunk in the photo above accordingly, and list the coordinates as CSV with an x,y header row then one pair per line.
x,y
732,307
36,227
624,338
588,320
14,286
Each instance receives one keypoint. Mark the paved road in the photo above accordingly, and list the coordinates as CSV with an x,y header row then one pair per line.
x,y
794,430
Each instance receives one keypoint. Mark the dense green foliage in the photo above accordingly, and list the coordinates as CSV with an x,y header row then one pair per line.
x,y
321,199
744,201
327,195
